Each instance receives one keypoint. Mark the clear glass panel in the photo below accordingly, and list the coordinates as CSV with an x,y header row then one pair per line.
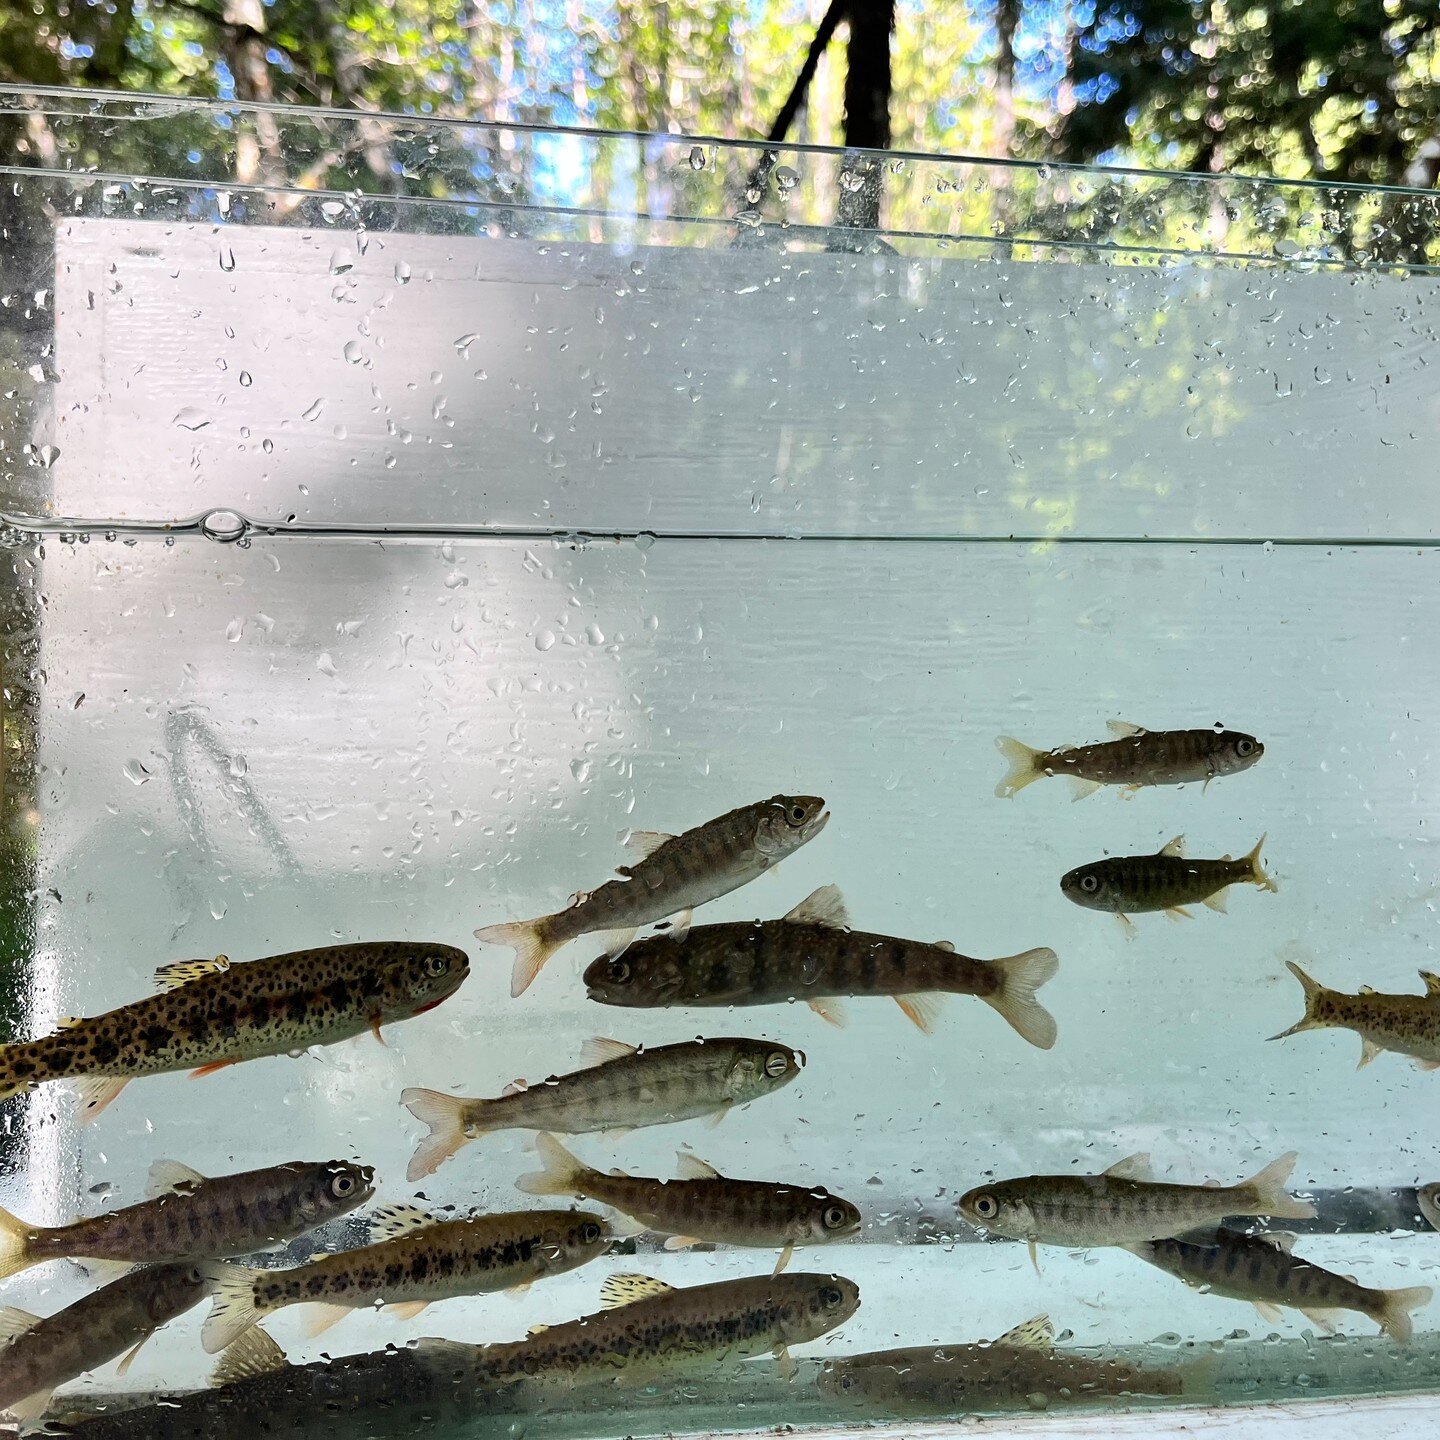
x,y
387,537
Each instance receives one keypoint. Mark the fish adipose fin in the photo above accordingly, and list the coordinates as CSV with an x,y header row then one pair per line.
x,y
560,1172
1394,1316
234,1310
1314,991
1025,766
1020,977
1267,1194
445,1115
531,942
252,1355
1174,848
1432,984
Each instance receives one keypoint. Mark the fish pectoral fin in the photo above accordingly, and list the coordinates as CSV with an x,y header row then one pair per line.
x,y
1123,729
615,1132
1427,1064
1036,1333
829,1008
825,906
407,1309
182,972
626,1227
1217,900
785,1361
97,1093
169,1176
1081,788
1368,1051
128,1359
1126,924
1323,1320
922,1011
392,1221
322,1314
1132,1167
1178,912
1175,848
1271,1314
105,1270
712,1121
1034,1255
680,926
1368,990
681,1242
784,1258
618,941
692,1167
642,844
520,1291
32,1407
626,1289
211,1068
599,1049
252,1355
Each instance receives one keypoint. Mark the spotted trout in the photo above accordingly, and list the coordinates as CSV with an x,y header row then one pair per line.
x,y
414,1260
1406,1024
1132,757
1123,1206
812,955
1261,1269
702,1205
622,1088
670,875
191,1218
41,1354
211,1013
1126,885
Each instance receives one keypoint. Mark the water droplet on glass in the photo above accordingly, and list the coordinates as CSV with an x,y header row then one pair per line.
x,y
224,526
135,772
227,259
545,639
353,353
594,635
234,630
1044,172
245,379
636,268
644,540
851,181
239,766
48,455
455,579
580,769
402,272
268,446
325,665
332,210
312,412
189,418
786,178
697,157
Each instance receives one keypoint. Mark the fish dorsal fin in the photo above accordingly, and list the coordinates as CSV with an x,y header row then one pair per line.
x,y
642,844
1432,982
621,1290
515,1087
1174,848
1368,990
825,906
600,1050
169,1176
1280,1239
252,1355
69,1022
946,946
692,1167
15,1322
1035,1334
182,972
453,1352
392,1221
1123,729
1132,1167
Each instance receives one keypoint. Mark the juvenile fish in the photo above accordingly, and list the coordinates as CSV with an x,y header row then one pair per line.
x,y
812,955
1124,1205
191,1218
1261,1269
647,1331
671,875
1021,1368
1133,757
1429,1198
1406,1024
211,1014
702,1204
623,1088
413,1260
40,1354
1136,884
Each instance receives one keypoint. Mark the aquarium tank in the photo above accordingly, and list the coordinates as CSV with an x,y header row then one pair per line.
x,y
547,678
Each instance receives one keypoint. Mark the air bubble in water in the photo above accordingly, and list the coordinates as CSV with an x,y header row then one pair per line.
x,y
224,526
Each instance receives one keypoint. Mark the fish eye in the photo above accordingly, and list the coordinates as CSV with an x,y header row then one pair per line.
x,y
987,1207
589,1233
1089,884
830,1297
777,1063
1244,746
797,814
342,1185
847,1382
619,971
436,964
833,1218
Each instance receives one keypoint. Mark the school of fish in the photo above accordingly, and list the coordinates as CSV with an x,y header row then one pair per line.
x,y
184,1243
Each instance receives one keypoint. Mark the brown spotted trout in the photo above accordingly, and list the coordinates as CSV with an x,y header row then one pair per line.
x,y
702,1205
211,1014
671,875
811,955
414,1259
622,1088
1132,757
191,1218
647,1331
40,1354
1406,1024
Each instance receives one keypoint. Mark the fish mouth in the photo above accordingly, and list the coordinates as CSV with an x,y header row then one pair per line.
x,y
814,827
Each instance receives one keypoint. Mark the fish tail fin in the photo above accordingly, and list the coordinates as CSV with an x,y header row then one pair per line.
x,y
1314,990
532,943
1396,1308
17,1240
450,1128
560,1174
1024,765
1257,870
234,1310
1269,1196
1020,977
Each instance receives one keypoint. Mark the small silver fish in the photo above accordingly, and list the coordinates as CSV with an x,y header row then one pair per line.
x,y
672,874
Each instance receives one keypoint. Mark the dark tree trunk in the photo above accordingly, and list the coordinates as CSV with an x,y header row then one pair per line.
x,y
867,109
1007,22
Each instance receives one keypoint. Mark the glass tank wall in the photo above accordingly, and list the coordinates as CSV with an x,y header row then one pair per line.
x,y
392,539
